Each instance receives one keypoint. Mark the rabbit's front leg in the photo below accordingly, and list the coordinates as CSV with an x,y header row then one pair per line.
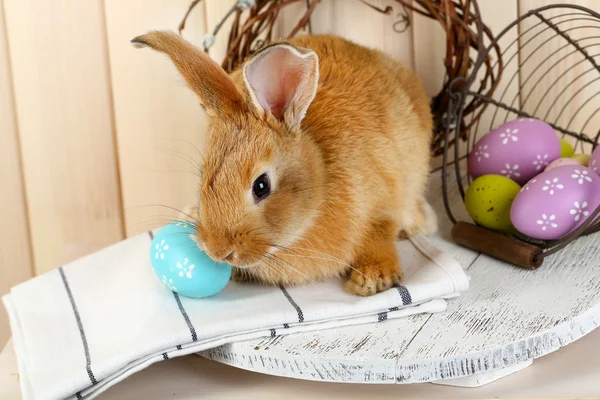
x,y
376,267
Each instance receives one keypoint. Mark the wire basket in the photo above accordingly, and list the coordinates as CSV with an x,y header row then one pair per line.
x,y
550,58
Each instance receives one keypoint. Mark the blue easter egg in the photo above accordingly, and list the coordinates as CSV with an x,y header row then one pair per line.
x,y
180,264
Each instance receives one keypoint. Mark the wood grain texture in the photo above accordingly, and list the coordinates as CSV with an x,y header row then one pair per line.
x,y
430,40
508,316
350,19
63,109
567,374
560,84
15,252
214,11
160,123
357,22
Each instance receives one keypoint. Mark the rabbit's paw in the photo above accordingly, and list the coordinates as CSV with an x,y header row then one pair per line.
x,y
424,221
368,279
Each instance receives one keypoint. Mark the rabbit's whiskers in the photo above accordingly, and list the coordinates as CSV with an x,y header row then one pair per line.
x,y
320,255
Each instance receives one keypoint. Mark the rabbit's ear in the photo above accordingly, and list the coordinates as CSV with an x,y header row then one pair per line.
x,y
205,77
282,80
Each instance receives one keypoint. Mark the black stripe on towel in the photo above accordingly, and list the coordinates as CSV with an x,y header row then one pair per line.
x,y
382,316
88,361
293,303
78,395
273,333
185,316
165,356
404,294
394,309
286,326
178,347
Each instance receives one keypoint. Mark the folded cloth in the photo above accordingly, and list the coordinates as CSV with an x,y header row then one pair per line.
x,y
82,328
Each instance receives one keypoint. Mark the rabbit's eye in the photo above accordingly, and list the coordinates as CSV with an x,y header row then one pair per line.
x,y
261,188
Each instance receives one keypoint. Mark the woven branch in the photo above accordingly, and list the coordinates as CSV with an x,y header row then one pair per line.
x,y
254,22
459,19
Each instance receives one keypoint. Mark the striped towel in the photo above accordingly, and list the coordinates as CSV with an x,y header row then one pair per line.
x,y
86,326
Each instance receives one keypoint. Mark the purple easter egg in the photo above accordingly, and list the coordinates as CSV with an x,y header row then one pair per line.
x,y
594,164
518,150
556,202
561,162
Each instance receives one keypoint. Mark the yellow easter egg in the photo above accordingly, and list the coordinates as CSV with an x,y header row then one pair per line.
x,y
583,159
566,149
488,200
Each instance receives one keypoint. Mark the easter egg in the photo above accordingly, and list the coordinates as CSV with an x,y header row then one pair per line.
x,y
488,201
561,162
566,149
595,161
583,159
556,202
518,150
182,266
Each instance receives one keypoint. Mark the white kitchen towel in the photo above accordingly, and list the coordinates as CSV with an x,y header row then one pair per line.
x,y
82,328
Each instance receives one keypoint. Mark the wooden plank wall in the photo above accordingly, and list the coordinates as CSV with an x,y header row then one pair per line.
x,y
99,140
63,102
159,122
15,250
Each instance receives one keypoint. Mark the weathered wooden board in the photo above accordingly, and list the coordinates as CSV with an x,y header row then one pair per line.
x,y
508,316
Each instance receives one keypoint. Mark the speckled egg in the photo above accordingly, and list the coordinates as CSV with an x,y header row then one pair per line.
x,y
561,162
556,202
595,161
182,266
488,201
566,149
518,150
583,159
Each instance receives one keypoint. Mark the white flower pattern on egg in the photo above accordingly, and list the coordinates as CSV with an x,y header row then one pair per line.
x,y
160,249
552,185
547,221
579,210
509,134
183,224
593,166
168,283
481,152
541,161
581,176
510,171
185,269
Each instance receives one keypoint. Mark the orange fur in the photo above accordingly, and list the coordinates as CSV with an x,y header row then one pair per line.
x,y
346,181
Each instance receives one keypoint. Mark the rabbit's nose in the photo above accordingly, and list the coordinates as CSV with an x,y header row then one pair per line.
x,y
221,252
